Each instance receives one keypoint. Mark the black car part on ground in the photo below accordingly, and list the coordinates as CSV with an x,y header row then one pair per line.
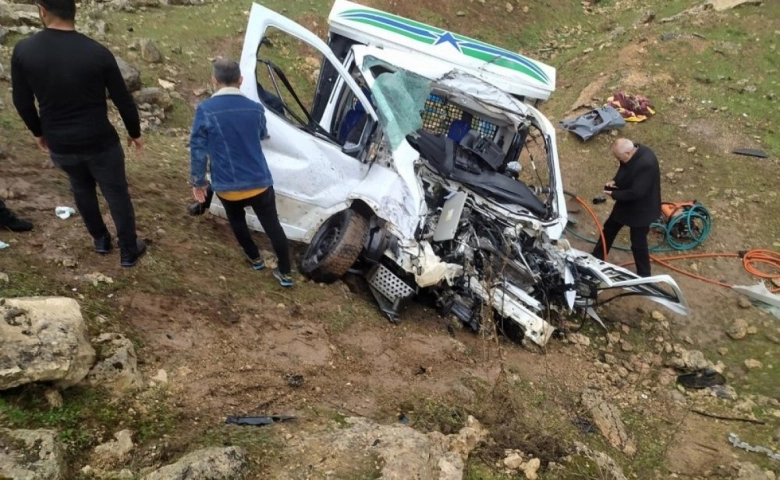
x,y
259,421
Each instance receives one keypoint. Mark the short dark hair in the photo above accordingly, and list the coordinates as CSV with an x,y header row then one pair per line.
x,y
63,9
227,71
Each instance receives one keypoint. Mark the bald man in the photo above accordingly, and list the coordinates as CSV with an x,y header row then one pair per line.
x,y
636,190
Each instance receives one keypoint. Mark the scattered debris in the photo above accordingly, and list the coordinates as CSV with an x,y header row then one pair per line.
x,y
294,381
259,420
3,245
721,417
759,292
64,212
736,442
701,379
750,152
633,108
589,124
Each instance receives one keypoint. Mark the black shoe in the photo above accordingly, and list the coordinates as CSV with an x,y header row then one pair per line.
x,y
103,244
15,224
129,259
196,209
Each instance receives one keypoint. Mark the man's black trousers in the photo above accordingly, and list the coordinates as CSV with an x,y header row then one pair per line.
x,y
638,245
264,206
106,170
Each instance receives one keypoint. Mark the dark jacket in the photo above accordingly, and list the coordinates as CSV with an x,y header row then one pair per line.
x,y
638,194
69,74
226,136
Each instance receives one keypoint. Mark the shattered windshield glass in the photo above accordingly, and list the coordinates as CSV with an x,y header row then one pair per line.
x,y
399,97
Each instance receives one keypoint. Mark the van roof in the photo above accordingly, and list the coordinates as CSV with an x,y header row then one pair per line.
x,y
509,71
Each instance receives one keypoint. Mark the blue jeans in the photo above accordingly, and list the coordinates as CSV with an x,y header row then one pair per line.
x,y
107,171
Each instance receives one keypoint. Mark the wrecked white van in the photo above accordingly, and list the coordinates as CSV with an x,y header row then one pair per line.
x,y
416,157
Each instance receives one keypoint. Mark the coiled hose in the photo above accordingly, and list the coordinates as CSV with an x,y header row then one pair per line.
x,y
698,224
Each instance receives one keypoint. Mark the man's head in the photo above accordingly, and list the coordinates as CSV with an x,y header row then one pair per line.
x,y
56,11
623,149
226,73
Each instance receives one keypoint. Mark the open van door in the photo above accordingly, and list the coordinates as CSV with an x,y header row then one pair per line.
x,y
314,170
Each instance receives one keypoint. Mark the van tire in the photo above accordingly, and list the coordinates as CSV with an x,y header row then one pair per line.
x,y
335,247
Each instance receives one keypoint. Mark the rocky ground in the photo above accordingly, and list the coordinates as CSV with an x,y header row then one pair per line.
x,y
108,373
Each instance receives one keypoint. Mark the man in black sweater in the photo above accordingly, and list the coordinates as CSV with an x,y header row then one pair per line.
x,y
636,189
69,74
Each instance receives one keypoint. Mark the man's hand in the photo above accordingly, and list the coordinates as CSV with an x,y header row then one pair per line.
x,y
42,144
199,194
610,185
138,143
608,193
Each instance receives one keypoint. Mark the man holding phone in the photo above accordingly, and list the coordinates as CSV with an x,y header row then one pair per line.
x,y
636,190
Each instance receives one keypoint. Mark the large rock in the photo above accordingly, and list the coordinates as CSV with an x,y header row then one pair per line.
x,y
206,464
130,74
43,339
154,96
117,366
14,15
31,455
607,418
150,52
403,452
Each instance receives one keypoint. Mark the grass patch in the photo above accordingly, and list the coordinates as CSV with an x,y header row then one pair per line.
x,y
86,418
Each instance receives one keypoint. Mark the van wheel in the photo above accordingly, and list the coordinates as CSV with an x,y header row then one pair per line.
x,y
335,247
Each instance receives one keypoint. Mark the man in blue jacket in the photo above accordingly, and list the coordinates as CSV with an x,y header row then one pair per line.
x,y
226,134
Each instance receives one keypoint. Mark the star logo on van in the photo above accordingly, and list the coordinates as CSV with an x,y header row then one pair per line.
x,y
447,37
